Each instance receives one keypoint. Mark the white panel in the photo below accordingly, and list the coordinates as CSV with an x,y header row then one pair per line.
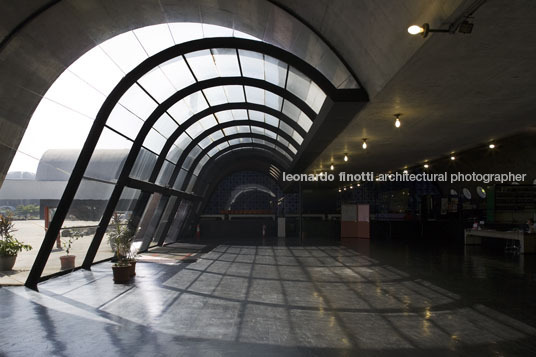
x,y
154,38
125,50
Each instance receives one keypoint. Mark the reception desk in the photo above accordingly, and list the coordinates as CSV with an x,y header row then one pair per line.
x,y
527,242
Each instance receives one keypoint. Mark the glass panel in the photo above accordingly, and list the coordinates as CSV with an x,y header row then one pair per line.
x,y
292,148
297,137
72,92
144,165
180,179
255,115
213,151
121,216
165,125
109,156
235,94
154,38
305,89
275,71
257,130
205,142
138,102
124,122
202,163
252,64
284,153
202,64
270,133
150,219
165,174
286,128
157,84
178,73
191,157
231,130
97,69
154,141
69,134
215,96
240,114
224,116
243,129
79,226
190,105
125,50
297,115
226,62
182,142
260,96
273,121
178,222
186,31
282,140
305,122
191,184
166,217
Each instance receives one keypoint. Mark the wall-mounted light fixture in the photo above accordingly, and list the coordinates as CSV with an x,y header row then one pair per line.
x,y
364,145
426,166
423,30
332,167
346,157
492,146
460,24
397,120
453,157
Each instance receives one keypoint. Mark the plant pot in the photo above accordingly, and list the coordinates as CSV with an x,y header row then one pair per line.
x,y
7,262
121,274
67,262
132,268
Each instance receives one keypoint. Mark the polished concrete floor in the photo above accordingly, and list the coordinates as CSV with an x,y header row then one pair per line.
x,y
270,300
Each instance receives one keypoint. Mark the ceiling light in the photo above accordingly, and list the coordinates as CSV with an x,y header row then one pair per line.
x,y
415,30
345,188
397,121
364,143
345,157
358,184
340,190
332,167
426,166
351,187
492,146
424,30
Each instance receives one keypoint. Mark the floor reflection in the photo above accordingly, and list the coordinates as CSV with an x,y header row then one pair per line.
x,y
289,300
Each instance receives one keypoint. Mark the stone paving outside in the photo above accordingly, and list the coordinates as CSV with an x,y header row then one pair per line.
x,y
32,232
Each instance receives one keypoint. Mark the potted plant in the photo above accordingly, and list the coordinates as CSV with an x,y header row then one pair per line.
x,y
9,245
67,260
120,238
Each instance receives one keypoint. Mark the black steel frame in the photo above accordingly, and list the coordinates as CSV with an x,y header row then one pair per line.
x,y
129,80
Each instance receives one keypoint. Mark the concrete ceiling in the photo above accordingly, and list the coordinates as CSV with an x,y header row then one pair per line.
x,y
454,91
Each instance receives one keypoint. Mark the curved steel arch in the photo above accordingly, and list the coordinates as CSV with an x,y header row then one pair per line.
x,y
280,161
104,112
206,150
254,159
214,110
215,128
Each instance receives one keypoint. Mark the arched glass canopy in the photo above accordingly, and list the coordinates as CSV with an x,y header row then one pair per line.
x,y
178,96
